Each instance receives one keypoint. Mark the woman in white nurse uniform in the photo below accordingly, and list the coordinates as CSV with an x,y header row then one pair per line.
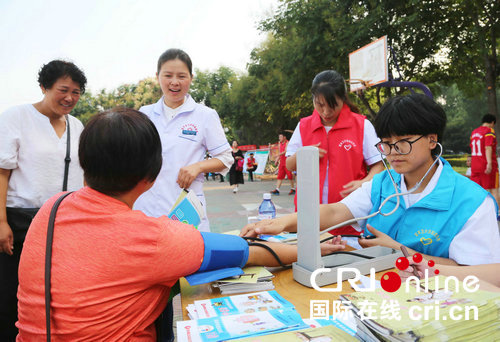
x,y
187,130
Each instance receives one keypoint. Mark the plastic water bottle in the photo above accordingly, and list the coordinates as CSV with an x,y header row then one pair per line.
x,y
266,208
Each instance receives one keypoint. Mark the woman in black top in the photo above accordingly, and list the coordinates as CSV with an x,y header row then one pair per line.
x,y
236,171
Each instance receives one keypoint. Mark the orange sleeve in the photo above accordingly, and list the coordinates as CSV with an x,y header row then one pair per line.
x,y
179,251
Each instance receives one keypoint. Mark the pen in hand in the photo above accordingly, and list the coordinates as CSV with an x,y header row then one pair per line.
x,y
406,254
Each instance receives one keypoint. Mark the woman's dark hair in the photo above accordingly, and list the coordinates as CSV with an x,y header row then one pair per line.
x,y
54,70
172,54
119,148
331,84
414,114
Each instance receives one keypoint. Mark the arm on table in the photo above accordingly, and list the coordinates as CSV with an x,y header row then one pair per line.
x,y
330,215
488,273
287,253
386,241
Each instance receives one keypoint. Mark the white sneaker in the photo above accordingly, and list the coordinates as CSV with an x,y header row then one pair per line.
x,y
235,190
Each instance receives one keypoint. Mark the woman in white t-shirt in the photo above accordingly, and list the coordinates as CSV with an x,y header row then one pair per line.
x,y
33,147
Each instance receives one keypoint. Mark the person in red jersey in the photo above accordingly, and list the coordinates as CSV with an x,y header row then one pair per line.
x,y
483,144
282,169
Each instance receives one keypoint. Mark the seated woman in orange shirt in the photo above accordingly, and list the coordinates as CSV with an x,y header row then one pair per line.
x,y
113,267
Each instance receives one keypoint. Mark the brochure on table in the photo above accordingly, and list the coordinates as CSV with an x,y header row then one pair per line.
x,y
239,325
245,303
187,208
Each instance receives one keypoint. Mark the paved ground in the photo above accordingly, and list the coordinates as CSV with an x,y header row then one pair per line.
x,y
228,211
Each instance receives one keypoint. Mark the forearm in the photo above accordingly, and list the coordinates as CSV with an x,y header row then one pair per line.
x,y
438,260
332,214
487,272
374,169
4,182
289,222
211,165
262,257
489,152
291,162
329,215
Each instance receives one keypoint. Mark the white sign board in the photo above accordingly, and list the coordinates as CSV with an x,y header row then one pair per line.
x,y
368,64
260,158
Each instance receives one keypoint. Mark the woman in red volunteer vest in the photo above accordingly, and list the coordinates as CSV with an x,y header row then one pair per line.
x,y
346,141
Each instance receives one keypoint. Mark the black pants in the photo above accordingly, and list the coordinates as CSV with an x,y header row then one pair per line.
x,y
8,293
19,221
164,324
250,172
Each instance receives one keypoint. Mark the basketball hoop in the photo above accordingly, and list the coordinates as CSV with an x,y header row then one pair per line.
x,y
363,84
368,65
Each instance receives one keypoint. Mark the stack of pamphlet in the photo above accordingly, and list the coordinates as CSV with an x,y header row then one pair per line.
x,y
226,318
436,309
255,278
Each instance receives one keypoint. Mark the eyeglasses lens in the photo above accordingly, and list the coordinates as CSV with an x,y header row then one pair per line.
x,y
403,147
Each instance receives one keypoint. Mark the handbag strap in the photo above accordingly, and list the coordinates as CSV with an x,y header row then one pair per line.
x,y
67,160
48,260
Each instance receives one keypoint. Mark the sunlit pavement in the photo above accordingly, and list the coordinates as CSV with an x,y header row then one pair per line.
x,y
229,211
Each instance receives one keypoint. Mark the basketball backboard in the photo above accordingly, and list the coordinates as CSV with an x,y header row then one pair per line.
x,y
368,65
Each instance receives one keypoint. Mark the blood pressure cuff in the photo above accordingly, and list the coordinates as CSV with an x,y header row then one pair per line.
x,y
224,257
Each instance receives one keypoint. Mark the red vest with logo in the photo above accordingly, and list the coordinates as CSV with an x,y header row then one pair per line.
x,y
344,156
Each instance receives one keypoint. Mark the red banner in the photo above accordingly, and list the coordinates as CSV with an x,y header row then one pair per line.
x,y
247,147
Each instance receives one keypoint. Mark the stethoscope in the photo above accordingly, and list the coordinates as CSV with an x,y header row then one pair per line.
x,y
397,194
256,241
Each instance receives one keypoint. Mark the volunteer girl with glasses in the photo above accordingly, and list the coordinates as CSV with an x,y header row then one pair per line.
x,y
448,218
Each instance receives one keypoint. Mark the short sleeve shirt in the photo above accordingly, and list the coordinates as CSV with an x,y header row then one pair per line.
x,y
112,269
30,147
185,139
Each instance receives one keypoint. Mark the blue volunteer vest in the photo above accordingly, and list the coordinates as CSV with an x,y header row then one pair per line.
x,y
429,225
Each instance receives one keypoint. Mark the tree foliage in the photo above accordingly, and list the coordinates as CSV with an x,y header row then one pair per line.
x,y
134,96
450,45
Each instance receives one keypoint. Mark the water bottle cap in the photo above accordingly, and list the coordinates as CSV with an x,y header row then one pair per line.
x,y
267,196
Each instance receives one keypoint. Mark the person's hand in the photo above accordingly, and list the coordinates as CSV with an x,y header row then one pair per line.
x,y
322,152
6,238
187,175
268,226
380,239
350,187
333,245
420,267
488,169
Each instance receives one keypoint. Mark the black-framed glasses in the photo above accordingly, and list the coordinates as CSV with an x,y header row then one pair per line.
x,y
402,146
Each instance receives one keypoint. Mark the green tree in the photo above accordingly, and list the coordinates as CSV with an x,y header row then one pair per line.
x,y
207,84
145,92
310,36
